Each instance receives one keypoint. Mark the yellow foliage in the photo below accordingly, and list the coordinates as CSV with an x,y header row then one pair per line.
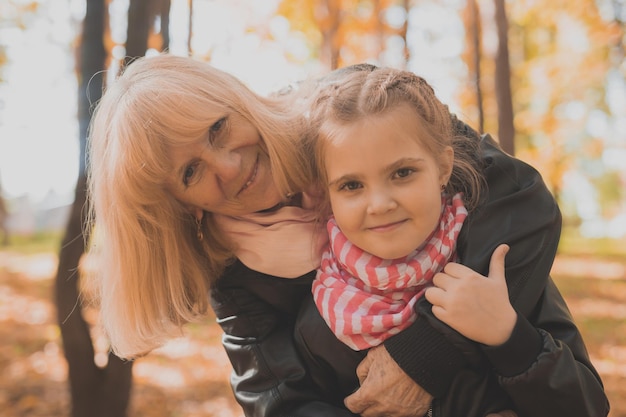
x,y
343,31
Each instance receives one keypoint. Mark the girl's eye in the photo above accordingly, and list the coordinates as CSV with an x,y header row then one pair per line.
x,y
403,172
188,174
350,186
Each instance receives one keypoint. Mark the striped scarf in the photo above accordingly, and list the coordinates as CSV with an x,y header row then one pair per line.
x,y
366,299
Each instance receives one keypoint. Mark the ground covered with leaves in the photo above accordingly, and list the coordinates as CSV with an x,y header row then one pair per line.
x,y
189,376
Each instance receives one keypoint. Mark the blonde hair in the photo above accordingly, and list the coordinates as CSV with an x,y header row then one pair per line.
x,y
153,273
368,90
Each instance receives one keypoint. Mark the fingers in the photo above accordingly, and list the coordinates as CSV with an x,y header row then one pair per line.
x,y
455,270
439,279
439,312
435,295
496,265
355,402
358,401
364,368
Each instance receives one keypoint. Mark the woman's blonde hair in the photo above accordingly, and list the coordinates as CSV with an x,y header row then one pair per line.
x,y
367,90
153,273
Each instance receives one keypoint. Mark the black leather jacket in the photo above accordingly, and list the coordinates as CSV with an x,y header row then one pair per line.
x,y
285,365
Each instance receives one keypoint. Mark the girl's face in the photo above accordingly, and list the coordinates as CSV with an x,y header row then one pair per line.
x,y
384,186
228,172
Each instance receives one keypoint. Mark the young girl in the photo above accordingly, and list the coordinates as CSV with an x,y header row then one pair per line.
x,y
387,163
400,187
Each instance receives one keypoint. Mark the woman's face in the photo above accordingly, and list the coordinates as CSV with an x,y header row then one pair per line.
x,y
228,172
384,186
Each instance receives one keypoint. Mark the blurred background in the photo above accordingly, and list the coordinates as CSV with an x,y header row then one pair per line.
x,y
547,79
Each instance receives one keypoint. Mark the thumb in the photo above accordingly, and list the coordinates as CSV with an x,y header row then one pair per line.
x,y
496,265
364,368
355,402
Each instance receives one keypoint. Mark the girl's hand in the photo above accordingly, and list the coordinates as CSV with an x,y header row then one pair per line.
x,y
476,306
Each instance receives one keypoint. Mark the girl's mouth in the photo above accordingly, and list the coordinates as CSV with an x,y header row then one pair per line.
x,y
386,227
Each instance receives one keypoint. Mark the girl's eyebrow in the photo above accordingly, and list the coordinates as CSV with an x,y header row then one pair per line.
x,y
344,178
403,161
390,168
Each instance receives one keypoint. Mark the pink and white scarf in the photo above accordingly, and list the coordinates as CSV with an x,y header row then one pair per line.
x,y
366,299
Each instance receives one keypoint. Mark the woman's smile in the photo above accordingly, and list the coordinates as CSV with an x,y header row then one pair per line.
x,y
251,178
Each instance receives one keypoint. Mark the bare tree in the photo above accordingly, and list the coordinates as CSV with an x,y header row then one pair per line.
x,y
328,15
474,33
406,5
190,30
4,214
95,391
506,128
142,15
140,19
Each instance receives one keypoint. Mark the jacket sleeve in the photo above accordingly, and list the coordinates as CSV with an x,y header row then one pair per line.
x,y
555,376
555,365
257,313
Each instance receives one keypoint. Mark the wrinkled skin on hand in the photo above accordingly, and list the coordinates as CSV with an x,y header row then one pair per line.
x,y
386,390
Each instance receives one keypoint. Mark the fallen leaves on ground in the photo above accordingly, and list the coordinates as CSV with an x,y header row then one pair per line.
x,y
189,376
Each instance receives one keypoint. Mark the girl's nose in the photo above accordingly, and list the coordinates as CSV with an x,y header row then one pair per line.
x,y
380,202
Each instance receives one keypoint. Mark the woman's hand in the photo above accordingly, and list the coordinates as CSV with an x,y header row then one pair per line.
x,y
379,373
476,306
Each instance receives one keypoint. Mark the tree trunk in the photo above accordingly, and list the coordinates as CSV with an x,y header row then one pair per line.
x,y
95,391
506,128
190,30
141,15
4,214
474,30
164,12
328,18
406,4
380,28
140,18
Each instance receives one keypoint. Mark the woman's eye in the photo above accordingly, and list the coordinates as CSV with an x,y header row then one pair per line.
x,y
216,128
188,174
403,172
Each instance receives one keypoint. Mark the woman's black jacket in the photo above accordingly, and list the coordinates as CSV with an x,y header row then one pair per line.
x,y
544,368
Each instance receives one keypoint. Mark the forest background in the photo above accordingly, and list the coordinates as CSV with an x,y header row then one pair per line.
x,y
547,79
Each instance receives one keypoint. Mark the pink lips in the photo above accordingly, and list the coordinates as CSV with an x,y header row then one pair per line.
x,y
386,227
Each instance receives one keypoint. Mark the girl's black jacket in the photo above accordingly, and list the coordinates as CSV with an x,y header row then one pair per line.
x,y
276,341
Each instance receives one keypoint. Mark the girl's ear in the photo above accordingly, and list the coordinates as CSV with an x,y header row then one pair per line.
x,y
198,213
446,164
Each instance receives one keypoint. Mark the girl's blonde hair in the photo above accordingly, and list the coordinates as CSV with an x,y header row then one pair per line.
x,y
153,273
367,90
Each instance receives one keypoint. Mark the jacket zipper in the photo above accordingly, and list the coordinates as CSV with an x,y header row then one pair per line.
x,y
430,411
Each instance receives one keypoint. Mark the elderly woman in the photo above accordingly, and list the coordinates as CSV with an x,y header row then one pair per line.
x,y
202,191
